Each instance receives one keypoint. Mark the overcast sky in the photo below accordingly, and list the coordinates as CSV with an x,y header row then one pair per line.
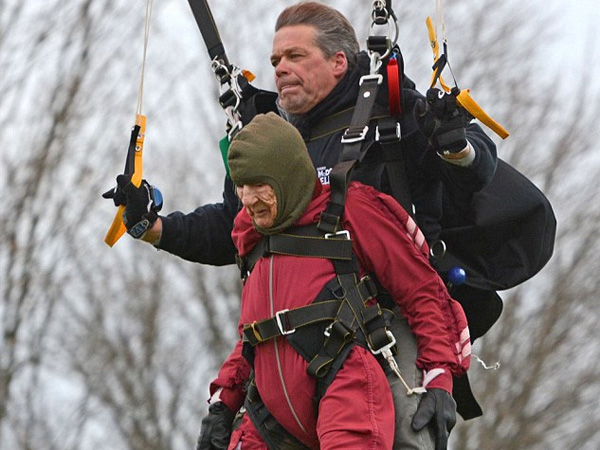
x,y
580,28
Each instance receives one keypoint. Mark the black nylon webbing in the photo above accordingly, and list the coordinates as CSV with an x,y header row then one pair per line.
x,y
352,152
208,28
316,247
288,321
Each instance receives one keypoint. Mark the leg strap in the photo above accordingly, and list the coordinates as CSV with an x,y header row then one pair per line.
x,y
273,433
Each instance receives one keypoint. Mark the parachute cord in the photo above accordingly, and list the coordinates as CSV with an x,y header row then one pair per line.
x,y
494,366
149,4
439,18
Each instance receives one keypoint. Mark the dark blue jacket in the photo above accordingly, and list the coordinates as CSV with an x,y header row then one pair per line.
x,y
439,190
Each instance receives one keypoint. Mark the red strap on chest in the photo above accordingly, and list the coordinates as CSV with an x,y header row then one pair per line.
x,y
394,91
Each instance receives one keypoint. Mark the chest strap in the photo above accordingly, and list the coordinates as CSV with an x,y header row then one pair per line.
x,y
298,241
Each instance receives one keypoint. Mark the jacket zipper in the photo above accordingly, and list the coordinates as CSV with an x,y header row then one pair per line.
x,y
279,368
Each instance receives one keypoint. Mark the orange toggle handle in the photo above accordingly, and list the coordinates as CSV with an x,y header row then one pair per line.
x,y
117,229
464,98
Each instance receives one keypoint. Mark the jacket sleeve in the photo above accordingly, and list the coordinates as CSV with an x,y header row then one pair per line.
x,y
480,172
203,235
469,179
232,379
394,249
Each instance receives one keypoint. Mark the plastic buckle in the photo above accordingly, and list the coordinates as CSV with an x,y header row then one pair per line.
x,y
386,347
280,324
344,233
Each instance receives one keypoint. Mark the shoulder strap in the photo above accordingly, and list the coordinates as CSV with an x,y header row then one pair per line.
x,y
351,153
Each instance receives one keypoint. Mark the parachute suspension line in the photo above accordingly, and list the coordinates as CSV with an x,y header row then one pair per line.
x,y
149,4
439,19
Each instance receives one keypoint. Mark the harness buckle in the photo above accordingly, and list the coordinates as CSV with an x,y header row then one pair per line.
x,y
386,347
255,331
377,77
280,323
350,136
394,136
341,233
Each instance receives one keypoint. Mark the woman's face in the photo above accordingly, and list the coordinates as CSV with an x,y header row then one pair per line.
x,y
260,202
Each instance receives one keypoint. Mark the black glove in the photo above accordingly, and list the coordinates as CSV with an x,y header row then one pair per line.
x,y
438,408
141,204
442,120
215,431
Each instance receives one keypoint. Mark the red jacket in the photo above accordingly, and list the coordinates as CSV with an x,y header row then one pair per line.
x,y
388,244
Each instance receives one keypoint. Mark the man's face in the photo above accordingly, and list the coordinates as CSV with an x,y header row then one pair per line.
x,y
304,77
260,202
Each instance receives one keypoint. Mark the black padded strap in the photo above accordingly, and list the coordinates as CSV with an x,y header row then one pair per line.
x,y
352,151
308,246
287,321
306,241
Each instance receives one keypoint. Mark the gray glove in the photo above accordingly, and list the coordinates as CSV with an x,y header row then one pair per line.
x,y
438,409
215,431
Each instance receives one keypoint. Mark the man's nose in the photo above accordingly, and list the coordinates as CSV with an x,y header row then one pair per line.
x,y
282,68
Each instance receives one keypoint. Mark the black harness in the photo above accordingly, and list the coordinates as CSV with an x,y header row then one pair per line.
x,y
343,314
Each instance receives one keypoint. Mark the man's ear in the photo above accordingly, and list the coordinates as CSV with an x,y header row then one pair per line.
x,y
340,64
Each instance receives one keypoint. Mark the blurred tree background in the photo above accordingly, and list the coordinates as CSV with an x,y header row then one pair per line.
x,y
114,348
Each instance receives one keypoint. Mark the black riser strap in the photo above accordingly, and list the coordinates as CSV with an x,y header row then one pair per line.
x,y
208,28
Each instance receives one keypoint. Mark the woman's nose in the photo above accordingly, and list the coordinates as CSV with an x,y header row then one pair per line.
x,y
248,196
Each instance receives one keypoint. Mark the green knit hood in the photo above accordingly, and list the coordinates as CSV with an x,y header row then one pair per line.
x,y
271,151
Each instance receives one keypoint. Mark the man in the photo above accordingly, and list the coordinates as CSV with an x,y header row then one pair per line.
x,y
317,69
279,190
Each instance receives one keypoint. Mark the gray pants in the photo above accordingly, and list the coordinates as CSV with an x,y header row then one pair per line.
x,y
405,438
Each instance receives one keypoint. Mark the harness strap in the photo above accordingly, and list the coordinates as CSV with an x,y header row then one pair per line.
x,y
352,152
357,131
273,433
306,241
328,247
353,317
395,164
341,120
288,320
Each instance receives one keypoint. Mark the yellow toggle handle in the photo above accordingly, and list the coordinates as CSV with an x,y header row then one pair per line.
x,y
435,47
464,98
117,229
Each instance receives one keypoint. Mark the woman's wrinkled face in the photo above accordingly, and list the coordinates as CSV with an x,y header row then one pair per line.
x,y
260,202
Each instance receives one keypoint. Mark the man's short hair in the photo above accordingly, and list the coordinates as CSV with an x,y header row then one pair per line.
x,y
334,32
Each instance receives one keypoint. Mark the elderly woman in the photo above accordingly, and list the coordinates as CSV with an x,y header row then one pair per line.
x,y
281,195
